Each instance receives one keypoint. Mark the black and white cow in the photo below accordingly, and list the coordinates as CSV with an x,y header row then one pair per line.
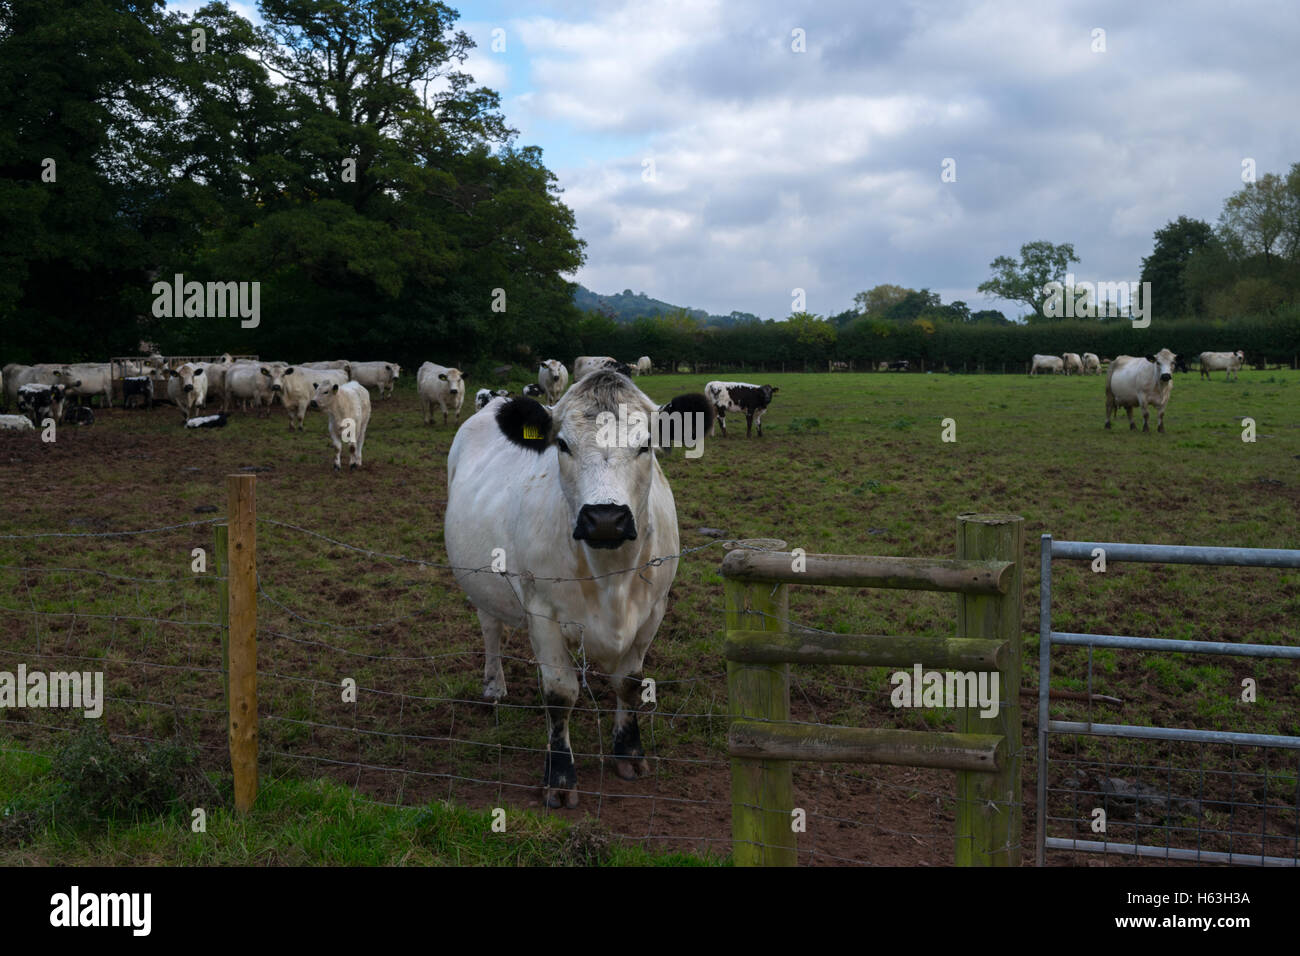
x,y
534,391
208,421
137,386
485,395
740,397
39,402
79,415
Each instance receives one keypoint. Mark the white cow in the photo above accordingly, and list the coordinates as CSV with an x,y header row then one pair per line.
x,y
93,378
1091,364
586,364
187,388
588,531
215,373
1047,363
16,423
380,375
1072,362
348,406
644,366
1146,382
256,382
300,385
441,385
342,365
1229,362
554,379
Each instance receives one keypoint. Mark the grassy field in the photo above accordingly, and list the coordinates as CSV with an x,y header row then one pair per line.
x,y
849,464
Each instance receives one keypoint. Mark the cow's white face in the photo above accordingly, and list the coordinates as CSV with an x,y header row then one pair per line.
x,y
324,394
1164,363
275,376
455,381
187,374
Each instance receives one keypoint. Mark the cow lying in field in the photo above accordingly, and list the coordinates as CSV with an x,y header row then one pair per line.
x,y
16,423
588,535
740,397
1140,382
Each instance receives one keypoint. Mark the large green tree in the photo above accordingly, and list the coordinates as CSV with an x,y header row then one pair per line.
x,y
1174,245
1025,281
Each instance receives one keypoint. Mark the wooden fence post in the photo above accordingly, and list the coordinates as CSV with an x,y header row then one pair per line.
x,y
241,569
762,791
988,804
222,558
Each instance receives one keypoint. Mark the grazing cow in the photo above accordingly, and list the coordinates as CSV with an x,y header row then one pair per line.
x,y
440,385
589,537
534,391
1229,362
341,365
92,379
187,388
1072,362
1144,382
380,375
348,406
256,382
300,384
586,364
39,402
839,366
1091,364
739,397
900,365
137,386
644,366
79,415
208,421
1047,363
1180,364
553,377
485,395
16,423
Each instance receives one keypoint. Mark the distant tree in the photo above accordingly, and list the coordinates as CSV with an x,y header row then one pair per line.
x,y
911,305
1174,245
989,317
1257,215
878,299
1025,281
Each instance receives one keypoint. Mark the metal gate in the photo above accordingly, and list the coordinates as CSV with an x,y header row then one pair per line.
x,y
1156,554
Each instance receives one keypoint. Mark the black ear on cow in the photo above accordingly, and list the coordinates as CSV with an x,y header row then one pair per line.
x,y
442,376
199,371
526,423
670,430
334,389
265,372
776,388
289,370
1151,359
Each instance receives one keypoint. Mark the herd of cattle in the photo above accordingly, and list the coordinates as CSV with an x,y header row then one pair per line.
x,y
340,388
1090,364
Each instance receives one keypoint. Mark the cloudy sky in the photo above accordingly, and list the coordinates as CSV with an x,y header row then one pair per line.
x,y
821,170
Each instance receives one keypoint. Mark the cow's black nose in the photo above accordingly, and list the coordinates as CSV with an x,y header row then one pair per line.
x,y
189,388
1165,377
275,388
605,526
312,404
453,391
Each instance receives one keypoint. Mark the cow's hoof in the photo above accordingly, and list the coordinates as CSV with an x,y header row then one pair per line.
x,y
1146,428
337,468
1108,424
1132,427
354,466
629,768
555,799
1161,428
493,691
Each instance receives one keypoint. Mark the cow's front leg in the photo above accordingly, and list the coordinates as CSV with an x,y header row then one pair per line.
x,y
337,442
1146,415
749,422
629,755
560,692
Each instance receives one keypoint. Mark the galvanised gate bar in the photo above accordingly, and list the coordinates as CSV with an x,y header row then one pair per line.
x,y
1151,554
